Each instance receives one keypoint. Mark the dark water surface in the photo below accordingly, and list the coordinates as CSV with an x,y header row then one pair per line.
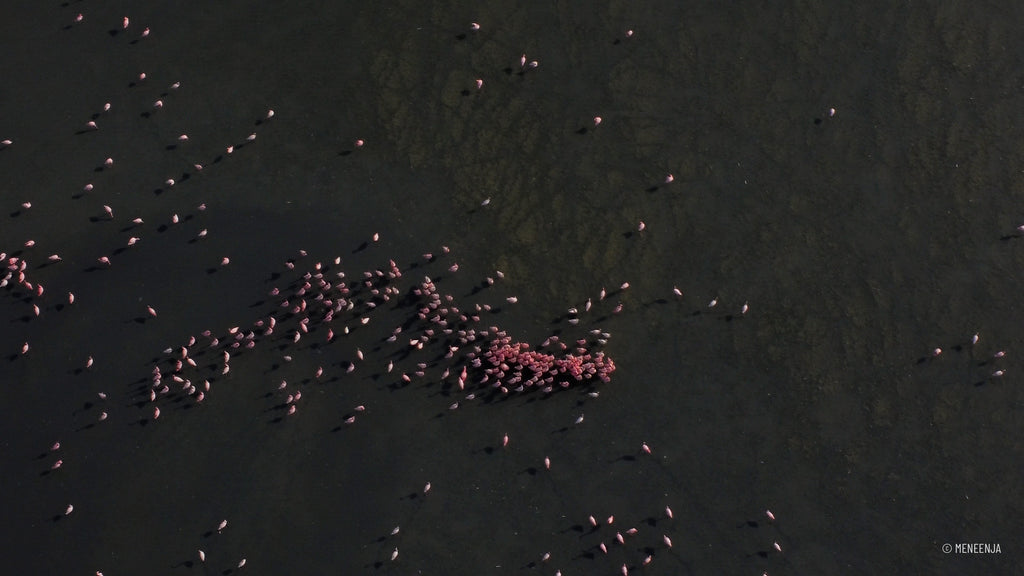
x,y
861,241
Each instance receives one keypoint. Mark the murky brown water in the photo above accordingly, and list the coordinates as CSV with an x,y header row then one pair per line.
x,y
860,242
